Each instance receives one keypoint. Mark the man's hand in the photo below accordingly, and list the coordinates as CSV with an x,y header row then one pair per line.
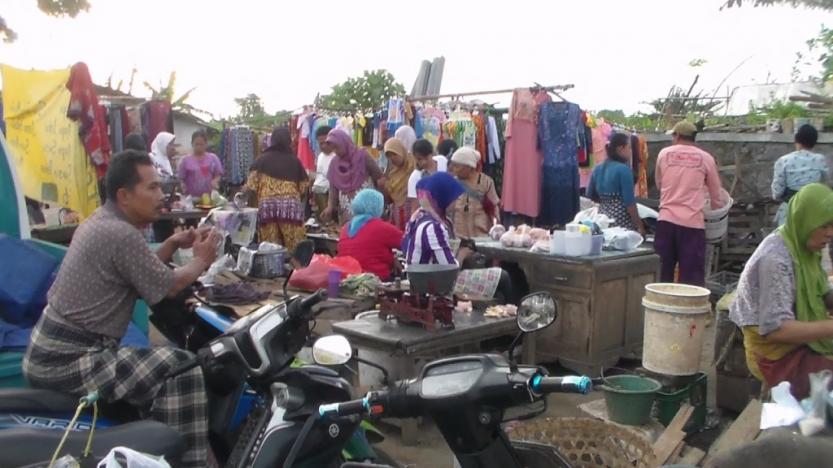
x,y
205,246
185,239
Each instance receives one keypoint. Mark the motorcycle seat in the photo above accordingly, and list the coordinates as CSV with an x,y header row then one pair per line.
x,y
25,446
31,400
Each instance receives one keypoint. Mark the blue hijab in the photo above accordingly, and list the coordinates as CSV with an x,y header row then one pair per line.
x,y
367,204
439,190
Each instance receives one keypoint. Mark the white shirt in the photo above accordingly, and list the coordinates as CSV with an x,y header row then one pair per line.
x,y
322,166
442,166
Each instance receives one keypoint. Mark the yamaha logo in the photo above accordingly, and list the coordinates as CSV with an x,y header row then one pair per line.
x,y
334,430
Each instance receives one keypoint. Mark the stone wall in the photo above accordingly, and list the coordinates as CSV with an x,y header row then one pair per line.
x,y
745,160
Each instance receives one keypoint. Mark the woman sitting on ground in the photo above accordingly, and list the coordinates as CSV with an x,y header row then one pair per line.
x,y
611,185
784,296
367,238
428,240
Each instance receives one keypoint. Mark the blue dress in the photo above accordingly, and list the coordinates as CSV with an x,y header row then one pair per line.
x,y
559,124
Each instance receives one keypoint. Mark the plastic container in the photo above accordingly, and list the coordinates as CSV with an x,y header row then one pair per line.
x,y
11,371
268,265
334,283
597,242
670,400
717,221
558,242
675,326
630,398
577,240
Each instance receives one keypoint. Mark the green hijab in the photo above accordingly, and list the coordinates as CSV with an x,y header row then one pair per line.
x,y
809,209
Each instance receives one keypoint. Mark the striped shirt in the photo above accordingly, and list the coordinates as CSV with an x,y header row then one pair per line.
x,y
427,242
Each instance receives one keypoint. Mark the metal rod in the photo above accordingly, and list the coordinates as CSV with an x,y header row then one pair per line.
x,y
497,91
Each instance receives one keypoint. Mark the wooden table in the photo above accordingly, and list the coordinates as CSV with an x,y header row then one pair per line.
x,y
324,243
599,298
175,215
403,348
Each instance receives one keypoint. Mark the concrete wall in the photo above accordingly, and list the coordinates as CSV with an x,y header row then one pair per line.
x,y
183,129
749,155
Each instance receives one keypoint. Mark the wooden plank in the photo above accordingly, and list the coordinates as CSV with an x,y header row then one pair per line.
x,y
745,429
692,456
669,442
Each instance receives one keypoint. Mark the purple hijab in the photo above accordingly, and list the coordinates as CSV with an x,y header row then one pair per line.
x,y
349,172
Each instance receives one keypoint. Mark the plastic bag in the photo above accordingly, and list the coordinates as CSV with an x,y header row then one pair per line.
x,y
592,214
226,262
497,231
617,238
316,275
133,459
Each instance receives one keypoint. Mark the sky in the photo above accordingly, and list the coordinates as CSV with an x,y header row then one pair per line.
x,y
618,54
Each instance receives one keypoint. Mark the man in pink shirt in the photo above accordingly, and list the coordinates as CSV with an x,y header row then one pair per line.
x,y
683,174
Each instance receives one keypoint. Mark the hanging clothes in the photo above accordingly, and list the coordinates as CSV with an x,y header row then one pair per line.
x,y
496,148
559,132
156,117
521,192
480,139
642,177
84,108
493,140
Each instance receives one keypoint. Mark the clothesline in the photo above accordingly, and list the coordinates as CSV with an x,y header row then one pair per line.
x,y
497,91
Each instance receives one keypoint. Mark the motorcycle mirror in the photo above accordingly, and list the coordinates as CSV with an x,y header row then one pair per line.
x,y
536,312
304,252
332,350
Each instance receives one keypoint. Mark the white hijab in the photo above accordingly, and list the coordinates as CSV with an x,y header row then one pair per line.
x,y
159,153
407,136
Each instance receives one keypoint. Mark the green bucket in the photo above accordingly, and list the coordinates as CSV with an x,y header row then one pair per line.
x,y
629,398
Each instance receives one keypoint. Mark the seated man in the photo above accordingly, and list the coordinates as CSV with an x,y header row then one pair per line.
x,y
428,240
75,345
784,297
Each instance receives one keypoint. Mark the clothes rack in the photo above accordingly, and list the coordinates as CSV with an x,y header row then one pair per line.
x,y
552,89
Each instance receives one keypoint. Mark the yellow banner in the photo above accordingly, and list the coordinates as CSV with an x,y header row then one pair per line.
x,y
47,152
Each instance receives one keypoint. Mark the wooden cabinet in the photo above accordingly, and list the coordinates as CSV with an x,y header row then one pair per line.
x,y
600,317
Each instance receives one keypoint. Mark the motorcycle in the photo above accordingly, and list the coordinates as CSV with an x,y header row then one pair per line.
x,y
257,398
467,396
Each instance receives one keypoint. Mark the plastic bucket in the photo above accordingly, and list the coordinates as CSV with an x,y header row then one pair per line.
x,y
630,398
675,325
717,221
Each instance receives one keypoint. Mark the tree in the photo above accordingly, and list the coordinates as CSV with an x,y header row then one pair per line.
x,y
253,113
823,4
57,8
366,93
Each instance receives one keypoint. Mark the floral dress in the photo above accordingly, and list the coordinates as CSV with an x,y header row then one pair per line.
x,y
280,216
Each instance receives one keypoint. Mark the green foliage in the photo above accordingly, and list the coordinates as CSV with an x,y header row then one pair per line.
x,y
366,93
253,114
56,8
639,121
823,46
782,110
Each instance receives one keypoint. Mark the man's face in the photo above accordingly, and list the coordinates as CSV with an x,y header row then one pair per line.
x,y
322,143
423,162
143,203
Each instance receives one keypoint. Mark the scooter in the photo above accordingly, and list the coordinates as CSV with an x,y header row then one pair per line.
x,y
467,396
251,425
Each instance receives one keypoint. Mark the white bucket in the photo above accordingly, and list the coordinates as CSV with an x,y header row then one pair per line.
x,y
717,221
675,326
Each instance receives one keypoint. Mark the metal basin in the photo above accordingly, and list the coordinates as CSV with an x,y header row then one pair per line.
x,y
433,279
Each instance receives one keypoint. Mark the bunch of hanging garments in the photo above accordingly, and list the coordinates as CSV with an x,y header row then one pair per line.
x,y
238,147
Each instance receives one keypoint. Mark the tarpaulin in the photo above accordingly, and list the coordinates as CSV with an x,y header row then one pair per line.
x,y
48,154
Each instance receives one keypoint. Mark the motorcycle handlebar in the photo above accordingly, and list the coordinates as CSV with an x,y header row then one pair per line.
x,y
569,384
301,307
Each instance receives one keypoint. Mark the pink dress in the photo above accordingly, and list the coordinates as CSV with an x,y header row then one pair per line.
x,y
522,170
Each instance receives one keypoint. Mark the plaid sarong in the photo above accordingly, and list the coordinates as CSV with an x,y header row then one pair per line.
x,y
63,357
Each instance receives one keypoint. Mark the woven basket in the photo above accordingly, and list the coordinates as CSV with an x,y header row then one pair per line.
x,y
589,443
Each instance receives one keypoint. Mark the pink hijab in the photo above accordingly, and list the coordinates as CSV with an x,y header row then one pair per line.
x,y
349,172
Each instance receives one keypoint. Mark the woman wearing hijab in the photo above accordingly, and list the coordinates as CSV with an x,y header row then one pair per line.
x,y
784,297
428,240
611,185
400,166
367,238
476,211
407,136
351,171
161,151
278,181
